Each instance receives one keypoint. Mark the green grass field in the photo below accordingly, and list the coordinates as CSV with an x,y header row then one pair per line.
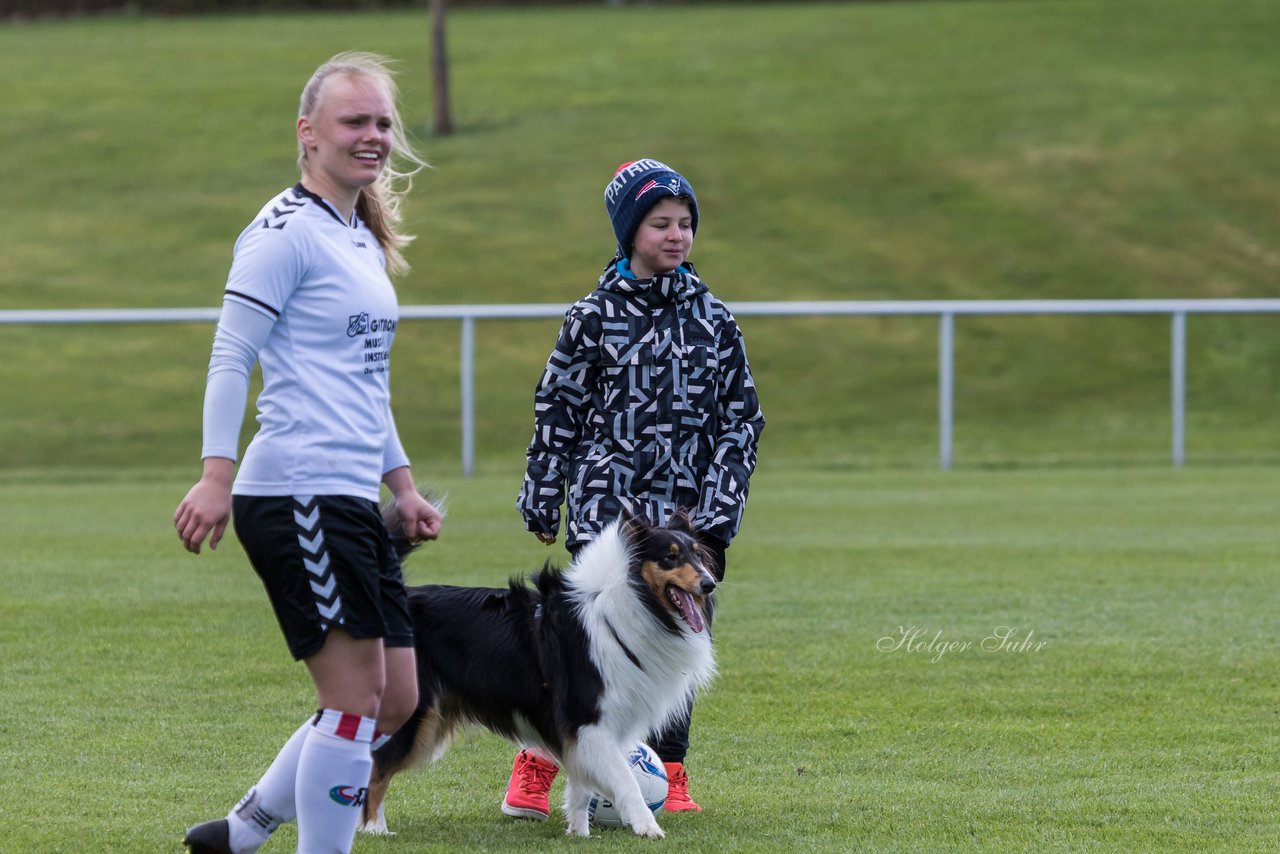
x,y
142,688
1047,148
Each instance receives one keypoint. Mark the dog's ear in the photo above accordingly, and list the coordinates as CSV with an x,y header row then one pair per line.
x,y
634,529
680,521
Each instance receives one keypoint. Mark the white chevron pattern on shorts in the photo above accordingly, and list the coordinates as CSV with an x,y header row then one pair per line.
x,y
306,513
308,522
314,545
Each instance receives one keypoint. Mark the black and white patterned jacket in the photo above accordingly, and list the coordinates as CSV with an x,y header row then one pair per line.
x,y
647,402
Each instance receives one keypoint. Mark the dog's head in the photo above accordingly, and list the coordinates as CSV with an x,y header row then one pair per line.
x,y
674,566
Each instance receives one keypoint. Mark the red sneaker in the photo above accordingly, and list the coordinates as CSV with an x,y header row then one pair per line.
x,y
678,799
529,787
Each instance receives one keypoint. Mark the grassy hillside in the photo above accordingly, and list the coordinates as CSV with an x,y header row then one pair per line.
x,y
1055,148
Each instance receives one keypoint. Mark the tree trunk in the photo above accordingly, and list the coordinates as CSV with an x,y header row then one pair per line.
x,y
440,70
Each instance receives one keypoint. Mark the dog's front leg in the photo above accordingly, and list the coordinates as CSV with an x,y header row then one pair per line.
x,y
598,759
635,811
576,798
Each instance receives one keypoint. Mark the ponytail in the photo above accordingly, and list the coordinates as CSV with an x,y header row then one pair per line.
x,y
382,214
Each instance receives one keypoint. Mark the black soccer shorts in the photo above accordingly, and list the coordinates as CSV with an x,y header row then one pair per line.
x,y
326,561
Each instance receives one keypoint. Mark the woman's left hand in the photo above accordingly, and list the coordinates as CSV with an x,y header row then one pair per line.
x,y
421,519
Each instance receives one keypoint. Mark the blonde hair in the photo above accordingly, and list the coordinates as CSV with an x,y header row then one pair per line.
x,y
379,203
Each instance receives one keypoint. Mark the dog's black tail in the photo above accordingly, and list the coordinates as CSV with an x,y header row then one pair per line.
x,y
395,526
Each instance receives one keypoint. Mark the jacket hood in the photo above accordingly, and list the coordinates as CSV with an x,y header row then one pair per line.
x,y
679,286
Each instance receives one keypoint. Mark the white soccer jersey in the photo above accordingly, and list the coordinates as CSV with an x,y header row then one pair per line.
x,y
324,414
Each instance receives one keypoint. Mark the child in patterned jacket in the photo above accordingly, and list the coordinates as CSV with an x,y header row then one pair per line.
x,y
646,405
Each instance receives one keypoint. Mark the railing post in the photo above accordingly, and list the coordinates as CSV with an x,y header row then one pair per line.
x,y
468,374
946,376
1178,392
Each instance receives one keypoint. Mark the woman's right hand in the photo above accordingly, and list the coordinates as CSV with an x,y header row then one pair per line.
x,y
206,509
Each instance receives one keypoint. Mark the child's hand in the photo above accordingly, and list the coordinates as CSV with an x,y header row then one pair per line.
x,y
545,539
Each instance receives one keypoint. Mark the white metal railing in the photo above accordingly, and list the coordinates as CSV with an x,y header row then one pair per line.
x,y
945,310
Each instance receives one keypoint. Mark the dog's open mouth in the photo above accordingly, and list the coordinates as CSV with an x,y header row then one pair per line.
x,y
687,606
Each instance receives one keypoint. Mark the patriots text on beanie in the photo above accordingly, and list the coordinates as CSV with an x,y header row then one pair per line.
x,y
636,187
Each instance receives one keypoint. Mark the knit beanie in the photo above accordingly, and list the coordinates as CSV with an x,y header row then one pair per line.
x,y
636,187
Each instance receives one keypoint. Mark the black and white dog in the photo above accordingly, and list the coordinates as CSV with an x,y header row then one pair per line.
x,y
583,663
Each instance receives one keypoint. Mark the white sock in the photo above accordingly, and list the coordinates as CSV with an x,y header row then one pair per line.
x,y
269,804
332,782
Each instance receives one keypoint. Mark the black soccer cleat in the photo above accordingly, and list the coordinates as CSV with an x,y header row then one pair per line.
x,y
210,837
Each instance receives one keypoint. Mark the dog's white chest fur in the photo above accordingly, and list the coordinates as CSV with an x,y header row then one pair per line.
x,y
649,673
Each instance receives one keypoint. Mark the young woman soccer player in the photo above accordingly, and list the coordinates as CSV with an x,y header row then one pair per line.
x,y
308,297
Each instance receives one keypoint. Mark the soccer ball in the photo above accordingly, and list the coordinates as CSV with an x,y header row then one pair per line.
x,y
652,777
